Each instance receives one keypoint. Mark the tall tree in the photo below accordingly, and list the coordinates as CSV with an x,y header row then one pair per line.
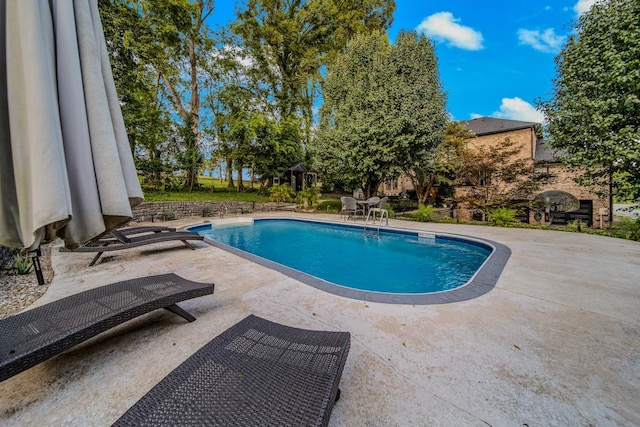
x,y
291,40
384,112
146,117
355,145
593,118
417,113
177,46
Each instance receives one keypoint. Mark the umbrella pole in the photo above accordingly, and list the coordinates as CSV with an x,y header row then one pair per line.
x,y
36,265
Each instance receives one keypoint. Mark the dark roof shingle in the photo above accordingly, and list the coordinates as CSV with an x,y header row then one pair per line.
x,y
488,125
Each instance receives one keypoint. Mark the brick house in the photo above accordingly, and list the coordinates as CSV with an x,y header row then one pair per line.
x,y
532,148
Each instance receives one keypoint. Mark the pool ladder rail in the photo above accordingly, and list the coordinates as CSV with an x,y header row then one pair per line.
x,y
384,214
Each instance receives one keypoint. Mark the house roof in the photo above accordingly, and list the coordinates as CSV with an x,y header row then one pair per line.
x,y
489,125
298,167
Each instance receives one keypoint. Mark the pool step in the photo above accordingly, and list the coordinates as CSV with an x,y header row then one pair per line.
x,y
231,222
426,235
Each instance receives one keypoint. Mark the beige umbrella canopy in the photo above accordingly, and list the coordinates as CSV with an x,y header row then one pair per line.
x,y
66,168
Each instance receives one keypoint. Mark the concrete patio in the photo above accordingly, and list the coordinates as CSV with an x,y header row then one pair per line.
x,y
555,343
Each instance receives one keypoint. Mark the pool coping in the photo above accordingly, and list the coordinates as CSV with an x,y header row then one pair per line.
x,y
482,282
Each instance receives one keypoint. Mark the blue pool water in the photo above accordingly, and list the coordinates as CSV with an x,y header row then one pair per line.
x,y
396,262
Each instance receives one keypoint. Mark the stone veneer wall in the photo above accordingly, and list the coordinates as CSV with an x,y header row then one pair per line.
x,y
153,211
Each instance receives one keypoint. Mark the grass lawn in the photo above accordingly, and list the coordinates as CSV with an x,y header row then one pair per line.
x,y
203,196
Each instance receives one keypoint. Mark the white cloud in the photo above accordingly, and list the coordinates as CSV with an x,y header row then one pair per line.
x,y
547,41
517,109
442,26
583,6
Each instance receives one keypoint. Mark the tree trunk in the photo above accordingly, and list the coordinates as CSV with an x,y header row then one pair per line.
x,y
229,164
239,181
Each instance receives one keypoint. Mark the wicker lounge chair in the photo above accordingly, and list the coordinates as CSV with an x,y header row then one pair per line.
x,y
36,335
123,239
256,373
143,229
122,234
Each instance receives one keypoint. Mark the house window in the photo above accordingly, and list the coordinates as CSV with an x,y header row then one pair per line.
x,y
391,183
485,179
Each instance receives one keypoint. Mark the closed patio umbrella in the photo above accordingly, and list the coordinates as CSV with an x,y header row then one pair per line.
x,y
66,168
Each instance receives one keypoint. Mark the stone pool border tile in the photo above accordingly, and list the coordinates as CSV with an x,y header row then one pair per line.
x,y
481,283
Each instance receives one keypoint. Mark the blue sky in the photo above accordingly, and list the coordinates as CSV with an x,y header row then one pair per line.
x,y
495,57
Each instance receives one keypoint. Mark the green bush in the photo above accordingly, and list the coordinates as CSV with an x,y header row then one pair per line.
x,y
175,182
423,214
168,215
308,197
24,263
628,229
502,216
575,225
207,211
281,193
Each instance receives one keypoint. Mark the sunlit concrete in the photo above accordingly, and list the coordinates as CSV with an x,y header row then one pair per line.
x,y
556,342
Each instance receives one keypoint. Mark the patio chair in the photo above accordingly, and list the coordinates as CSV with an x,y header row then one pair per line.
x,y
122,241
381,209
350,208
33,336
256,373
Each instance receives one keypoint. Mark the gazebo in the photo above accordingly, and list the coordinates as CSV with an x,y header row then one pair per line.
x,y
300,178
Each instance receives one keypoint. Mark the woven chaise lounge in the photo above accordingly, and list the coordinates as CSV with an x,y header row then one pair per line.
x,y
127,239
256,373
36,335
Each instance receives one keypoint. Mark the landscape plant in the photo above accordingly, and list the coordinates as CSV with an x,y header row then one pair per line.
x,y
503,216
281,193
424,213
168,215
628,229
492,176
24,263
308,198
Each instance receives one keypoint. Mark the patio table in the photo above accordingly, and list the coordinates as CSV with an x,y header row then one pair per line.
x,y
367,204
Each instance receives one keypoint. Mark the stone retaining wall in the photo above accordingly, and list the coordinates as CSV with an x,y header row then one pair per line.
x,y
153,211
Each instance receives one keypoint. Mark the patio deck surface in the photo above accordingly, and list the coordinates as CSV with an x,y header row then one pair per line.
x,y
556,342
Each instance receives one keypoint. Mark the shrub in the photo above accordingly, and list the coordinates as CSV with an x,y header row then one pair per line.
x,y
308,197
423,214
629,229
168,215
207,211
575,225
24,263
175,182
281,193
502,216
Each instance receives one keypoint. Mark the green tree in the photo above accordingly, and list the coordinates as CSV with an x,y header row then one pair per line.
x,y
146,117
491,177
173,39
593,118
417,115
355,145
384,113
289,41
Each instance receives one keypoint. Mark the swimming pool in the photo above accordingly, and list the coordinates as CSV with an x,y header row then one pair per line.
x,y
398,263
